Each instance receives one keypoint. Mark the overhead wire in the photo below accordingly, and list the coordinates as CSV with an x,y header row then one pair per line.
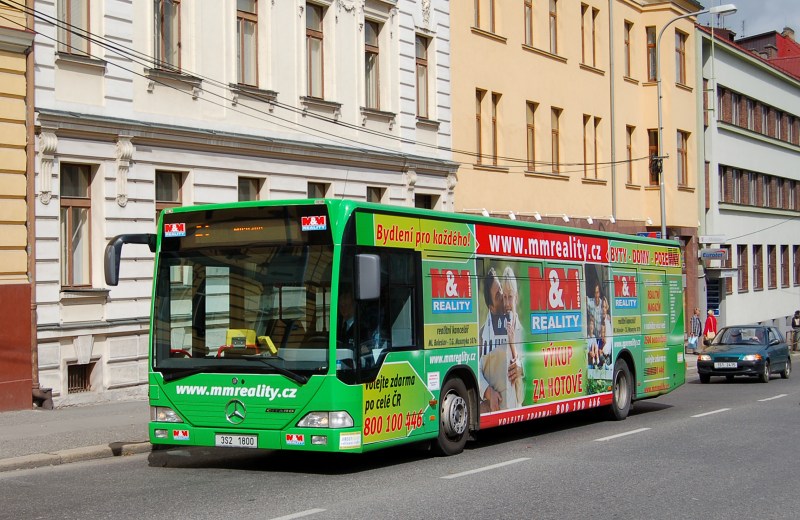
x,y
146,60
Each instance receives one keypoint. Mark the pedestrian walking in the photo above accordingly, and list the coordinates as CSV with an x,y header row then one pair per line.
x,y
695,329
710,330
795,329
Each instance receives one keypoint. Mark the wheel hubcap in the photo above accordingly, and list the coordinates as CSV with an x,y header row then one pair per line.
x,y
454,415
621,390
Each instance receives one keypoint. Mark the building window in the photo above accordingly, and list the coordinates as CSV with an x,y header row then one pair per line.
x,y
492,18
495,127
479,95
76,205
790,130
371,54
314,50
72,33
772,267
758,273
683,158
247,38
750,197
765,120
317,190
727,263
785,266
555,115
652,151
792,195
596,146
168,34
796,260
425,201
530,118
168,190
736,101
249,188
741,262
528,16
680,57
651,53
375,194
751,114
595,14
422,76
629,151
584,12
766,195
778,124
627,47
553,26
587,119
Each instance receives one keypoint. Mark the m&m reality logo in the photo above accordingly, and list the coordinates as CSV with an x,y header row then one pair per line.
x,y
314,223
175,230
451,291
555,300
625,292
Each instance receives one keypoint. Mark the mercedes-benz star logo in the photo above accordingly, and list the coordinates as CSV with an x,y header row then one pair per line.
x,y
235,411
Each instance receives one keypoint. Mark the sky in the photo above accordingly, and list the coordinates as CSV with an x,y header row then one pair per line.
x,y
757,16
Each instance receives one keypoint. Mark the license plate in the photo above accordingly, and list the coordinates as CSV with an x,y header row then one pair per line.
x,y
236,441
725,364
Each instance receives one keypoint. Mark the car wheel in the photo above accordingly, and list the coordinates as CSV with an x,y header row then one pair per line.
x,y
622,391
453,418
787,369
705,378
764,375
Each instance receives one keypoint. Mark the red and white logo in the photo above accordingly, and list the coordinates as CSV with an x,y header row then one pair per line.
x,y
294,439
175,230
180,435
314,223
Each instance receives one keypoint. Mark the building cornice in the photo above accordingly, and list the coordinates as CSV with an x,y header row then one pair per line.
x,y
173,136
15,40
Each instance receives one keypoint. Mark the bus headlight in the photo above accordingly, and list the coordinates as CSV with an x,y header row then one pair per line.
x,y
164,414
326,420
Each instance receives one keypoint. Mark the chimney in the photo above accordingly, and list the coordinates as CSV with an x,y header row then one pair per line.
x,y
788,32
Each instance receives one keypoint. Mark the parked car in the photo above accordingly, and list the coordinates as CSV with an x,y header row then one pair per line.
x,y
745,350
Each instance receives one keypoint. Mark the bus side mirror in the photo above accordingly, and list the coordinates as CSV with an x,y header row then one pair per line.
x,y
368,277
114,251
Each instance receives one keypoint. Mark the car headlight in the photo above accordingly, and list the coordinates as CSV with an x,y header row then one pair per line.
x,y
164,414
752,357
326,420
704,357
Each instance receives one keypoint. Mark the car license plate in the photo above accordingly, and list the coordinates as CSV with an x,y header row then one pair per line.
x,y
236,441
725,364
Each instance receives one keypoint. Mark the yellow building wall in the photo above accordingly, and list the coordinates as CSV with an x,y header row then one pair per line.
x,y
577,79
13,206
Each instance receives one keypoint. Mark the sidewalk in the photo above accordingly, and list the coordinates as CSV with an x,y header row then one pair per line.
x,y
36,438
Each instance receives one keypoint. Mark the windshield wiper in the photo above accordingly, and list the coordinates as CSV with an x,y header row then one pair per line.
x,y
180,374
294,376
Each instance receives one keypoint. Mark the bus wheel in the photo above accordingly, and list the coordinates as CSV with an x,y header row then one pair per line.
x,y
453,418
622,391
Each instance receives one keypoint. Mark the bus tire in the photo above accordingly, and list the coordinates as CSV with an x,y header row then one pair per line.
x,y
454,418
622,391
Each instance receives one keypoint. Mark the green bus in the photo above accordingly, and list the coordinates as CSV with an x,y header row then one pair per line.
x,y
342,326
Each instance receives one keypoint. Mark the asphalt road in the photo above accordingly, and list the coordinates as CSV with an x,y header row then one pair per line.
x,y
723,450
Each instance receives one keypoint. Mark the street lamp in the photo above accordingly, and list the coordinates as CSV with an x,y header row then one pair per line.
x,y
721,10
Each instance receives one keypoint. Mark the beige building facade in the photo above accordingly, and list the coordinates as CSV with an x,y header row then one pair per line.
x,y
16,314
555,113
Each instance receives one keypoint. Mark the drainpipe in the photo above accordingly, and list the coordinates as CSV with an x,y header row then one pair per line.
x,y
42,397
612,78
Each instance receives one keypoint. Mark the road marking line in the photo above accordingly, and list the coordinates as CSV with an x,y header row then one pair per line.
x,y
711,413
640,430
485,468
771,398
301,514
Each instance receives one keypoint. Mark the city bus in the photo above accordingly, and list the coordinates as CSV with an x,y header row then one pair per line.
x,y
341,326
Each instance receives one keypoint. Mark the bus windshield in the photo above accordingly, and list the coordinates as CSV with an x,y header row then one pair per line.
x,y
231,306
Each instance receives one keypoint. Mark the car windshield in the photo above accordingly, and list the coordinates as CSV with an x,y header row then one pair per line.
x,y
741,336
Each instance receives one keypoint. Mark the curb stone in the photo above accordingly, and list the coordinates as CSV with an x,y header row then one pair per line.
x,y
56,458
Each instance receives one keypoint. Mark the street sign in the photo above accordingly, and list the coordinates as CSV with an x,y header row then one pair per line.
x,y
714,254
649,234
712,239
